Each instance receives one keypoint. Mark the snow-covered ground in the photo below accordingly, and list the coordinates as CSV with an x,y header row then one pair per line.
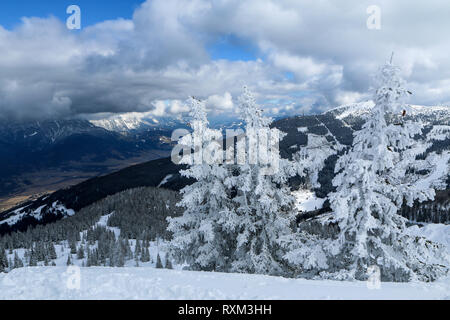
x,y
18,214
150,283
439,233
147,282
307,200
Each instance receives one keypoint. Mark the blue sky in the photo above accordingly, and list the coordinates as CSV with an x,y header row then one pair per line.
x,y
93,11
232,48
227,47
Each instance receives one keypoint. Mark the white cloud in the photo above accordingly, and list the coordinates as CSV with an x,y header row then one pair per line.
x,y
348,97
159,108
220,103
158,58
178,107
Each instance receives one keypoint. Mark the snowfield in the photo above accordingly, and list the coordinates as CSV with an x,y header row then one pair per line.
x,y
439,233
307,201
149,283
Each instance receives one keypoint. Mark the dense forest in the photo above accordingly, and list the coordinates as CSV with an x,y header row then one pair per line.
x,y
107,233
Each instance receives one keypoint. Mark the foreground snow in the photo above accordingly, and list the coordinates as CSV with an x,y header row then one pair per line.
x,y
150,283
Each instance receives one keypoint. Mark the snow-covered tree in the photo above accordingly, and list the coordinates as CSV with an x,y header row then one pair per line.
x,y
17,261
198,235
159,264
264,212
373,181
3,260
310,159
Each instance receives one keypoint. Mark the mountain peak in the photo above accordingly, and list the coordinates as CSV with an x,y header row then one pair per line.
x,y
428,114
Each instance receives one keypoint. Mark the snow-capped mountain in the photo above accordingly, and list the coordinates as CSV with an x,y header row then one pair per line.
x,y
125,122
136,122
429,115
326,134
64,146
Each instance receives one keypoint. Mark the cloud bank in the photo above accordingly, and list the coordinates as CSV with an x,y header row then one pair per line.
x,y
309,56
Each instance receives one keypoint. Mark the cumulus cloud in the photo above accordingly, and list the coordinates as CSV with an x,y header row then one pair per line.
x,y
220,103
311,55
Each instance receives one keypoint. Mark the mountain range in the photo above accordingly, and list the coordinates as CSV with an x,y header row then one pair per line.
x,y
62,143
44,156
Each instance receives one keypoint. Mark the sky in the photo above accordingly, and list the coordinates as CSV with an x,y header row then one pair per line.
x,y
93,11
148,56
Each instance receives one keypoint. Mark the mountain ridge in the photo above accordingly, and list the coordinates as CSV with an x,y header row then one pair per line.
x,y
300,130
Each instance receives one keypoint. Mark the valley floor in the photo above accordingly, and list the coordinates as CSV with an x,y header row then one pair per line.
x,y
150,283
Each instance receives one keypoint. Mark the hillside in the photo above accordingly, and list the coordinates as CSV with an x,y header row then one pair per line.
x,y
54,206
328,134
109,225
48,155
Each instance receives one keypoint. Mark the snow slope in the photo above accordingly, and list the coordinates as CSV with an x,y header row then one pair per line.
x,y
362,109
20,213
126,121
149,283
437,178
307,200
439,233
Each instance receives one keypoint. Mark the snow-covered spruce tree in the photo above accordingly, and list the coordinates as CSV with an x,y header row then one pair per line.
x,y
198,235
3,260
372,183
265,206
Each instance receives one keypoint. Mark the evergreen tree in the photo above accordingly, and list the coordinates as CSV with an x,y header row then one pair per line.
x,y
265,205
73,247
168,263
69,260
80,252
118,256
158,262
3,260
198,235
373,181
17,261
33,259
52,251
137,249
89,258
145,257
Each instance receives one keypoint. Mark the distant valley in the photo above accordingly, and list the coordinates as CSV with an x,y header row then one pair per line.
x,y
332,130
41,157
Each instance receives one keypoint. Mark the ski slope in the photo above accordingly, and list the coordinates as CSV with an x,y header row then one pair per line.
x,y
149,283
